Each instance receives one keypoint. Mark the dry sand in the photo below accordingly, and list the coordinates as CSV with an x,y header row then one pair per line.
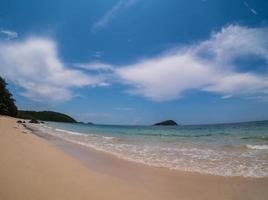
x,y
35,168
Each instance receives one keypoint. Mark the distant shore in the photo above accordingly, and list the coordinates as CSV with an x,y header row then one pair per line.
x,y
34,167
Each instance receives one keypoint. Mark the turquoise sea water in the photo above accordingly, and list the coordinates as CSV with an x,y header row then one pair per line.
x,y
239,149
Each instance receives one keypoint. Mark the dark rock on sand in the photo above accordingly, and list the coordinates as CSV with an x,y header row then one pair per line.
x,y
34,121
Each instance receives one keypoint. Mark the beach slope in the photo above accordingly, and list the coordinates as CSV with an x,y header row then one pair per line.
x,y
34,168
31,168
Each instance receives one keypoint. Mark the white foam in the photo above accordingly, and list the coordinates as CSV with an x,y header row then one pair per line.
x,y
257,147
70,132
108,138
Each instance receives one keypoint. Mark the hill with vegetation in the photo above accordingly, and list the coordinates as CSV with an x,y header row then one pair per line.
x,y
45,116
7,103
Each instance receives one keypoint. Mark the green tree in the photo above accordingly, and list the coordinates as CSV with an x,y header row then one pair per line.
x,y
7,103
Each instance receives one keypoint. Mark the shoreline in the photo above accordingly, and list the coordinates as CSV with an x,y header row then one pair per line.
x,y
243,167
76,149
118,175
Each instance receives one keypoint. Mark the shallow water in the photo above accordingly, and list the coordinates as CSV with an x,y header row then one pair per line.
x,y
239,149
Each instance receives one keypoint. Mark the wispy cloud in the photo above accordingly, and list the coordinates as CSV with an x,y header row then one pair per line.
x,y
34,65
206,66
250,9
110,14
124,108
95,66
9,34
97,54
209,66
94,115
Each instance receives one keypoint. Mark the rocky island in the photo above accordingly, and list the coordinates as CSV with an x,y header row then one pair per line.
x,y
166,123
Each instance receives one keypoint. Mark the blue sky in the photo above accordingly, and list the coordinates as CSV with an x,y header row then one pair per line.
x,y
138,61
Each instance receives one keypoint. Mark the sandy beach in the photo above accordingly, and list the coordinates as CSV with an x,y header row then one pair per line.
x,y
43,167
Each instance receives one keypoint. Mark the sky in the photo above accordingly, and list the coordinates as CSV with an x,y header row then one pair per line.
x,y
138,61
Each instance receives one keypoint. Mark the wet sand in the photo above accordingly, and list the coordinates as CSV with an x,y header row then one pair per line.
x,y
34,166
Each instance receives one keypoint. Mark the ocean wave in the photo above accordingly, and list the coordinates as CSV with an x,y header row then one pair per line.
x,y
233,161
174,135
108,138
69,132
257,147
255,138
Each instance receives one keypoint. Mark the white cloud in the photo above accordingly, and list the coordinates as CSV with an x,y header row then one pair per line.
x,y
9,34
110,14
250,9
34,65
95,66
206,66
166,77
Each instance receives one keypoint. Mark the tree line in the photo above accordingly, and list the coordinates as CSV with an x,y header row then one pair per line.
x,y
7,103
8,107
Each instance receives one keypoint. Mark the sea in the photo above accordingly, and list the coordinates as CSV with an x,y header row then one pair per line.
x,y
237,149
